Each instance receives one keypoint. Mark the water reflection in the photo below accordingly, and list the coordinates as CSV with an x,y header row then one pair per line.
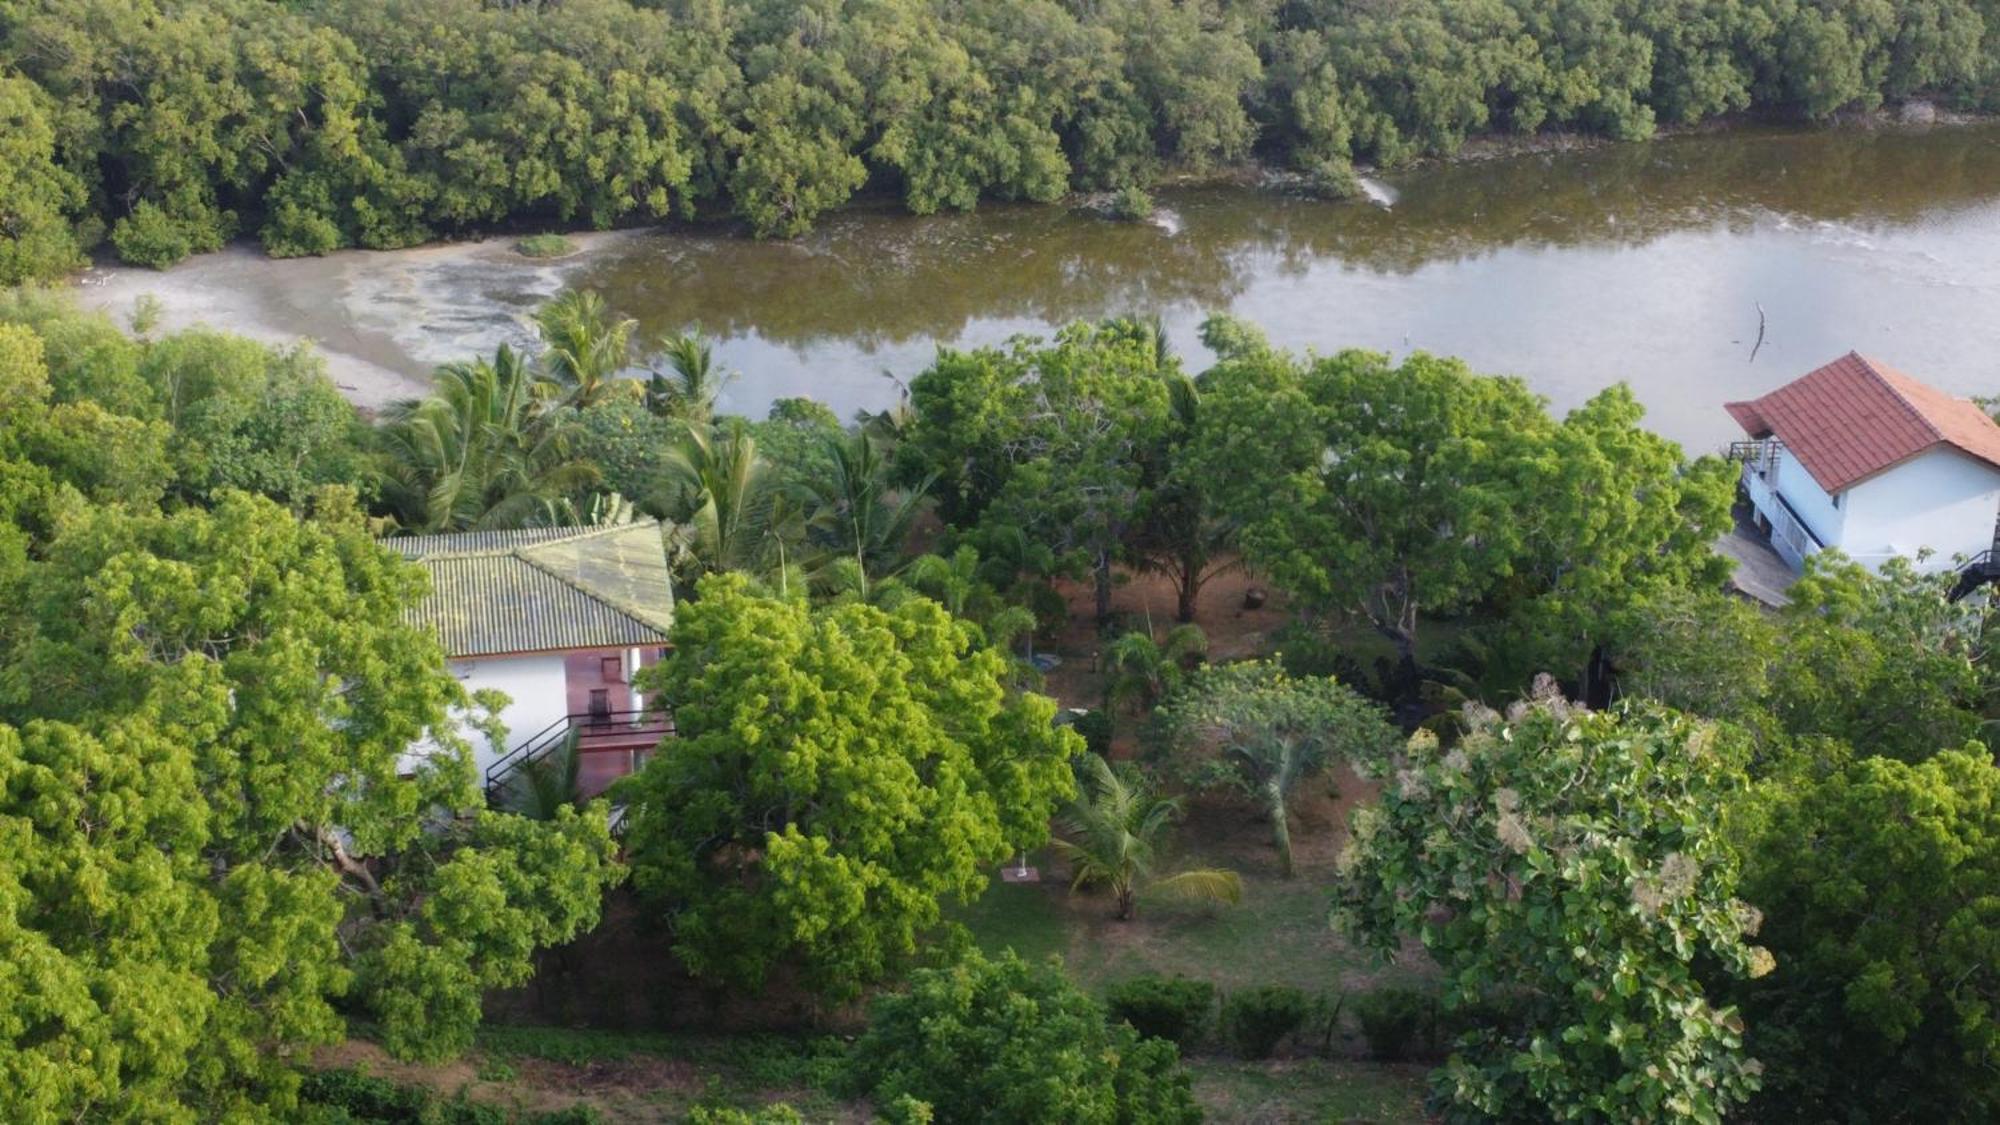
x,y
1571,268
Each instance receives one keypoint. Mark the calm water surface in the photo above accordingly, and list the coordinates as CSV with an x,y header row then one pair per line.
x,y
1645,263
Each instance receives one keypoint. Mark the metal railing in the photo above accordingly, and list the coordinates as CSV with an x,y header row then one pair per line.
x,y
586,726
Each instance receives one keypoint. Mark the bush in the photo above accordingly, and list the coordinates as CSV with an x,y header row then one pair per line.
x,y
150,237
350,1096
1131,204
1005,1041
1175,1010
1256,1019
1391,1019
544,246
1095,727
779,1114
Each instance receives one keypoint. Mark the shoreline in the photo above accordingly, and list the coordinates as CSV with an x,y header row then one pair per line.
x,y
384,320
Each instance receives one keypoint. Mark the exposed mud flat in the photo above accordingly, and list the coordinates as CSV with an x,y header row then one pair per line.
x,y
384,319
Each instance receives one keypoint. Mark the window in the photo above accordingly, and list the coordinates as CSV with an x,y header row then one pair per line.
x,y
611,669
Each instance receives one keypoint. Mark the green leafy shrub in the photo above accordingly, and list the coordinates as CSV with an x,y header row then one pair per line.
x,y
151,237
1255,1020
544,246
1095,727
1131,204
779,1114
1005,1041
1391,1020
1176,1009
348,1095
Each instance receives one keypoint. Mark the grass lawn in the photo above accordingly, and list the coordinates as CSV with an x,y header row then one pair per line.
x,y
1308,1090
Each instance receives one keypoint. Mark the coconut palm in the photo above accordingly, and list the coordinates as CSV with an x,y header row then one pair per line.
x,y
585,348
730,509
485,450
540,789
1111,836
685,383
856,513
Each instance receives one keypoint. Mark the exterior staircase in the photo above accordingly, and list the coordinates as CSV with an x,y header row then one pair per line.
x,y
608,745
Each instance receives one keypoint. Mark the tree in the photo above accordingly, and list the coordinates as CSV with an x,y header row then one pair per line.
x,y
1047,437
1387,490
1877,883
838,771
37,195
236,796
1005,1041
1570,866
690,385
481,452
855,513
1181,533
1143,670
1112,834
1274,730
585,348
727,503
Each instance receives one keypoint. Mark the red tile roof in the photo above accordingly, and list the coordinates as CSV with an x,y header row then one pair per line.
x,y
1856,417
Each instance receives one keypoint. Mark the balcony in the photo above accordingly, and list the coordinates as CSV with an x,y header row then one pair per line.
x,y
607,744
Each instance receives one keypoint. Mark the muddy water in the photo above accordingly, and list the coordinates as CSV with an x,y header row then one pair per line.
x,y
1648,263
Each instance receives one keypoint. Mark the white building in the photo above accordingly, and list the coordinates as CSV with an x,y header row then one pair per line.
x,y
1861,457
560,620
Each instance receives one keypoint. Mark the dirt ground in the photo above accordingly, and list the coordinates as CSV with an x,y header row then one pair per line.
x,y
1233,631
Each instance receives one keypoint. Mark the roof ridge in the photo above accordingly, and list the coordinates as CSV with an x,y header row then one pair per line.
x,y
570,535
1903,400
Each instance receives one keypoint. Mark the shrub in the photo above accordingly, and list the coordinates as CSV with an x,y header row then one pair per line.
x,y
779,1114
1176,1009
1391,1019
544,246
1131,204
1005,1041
1256,1019
349,1096
151,237
1095,727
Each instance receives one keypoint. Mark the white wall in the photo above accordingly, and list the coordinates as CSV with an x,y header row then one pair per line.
x,y
1814,507
534,684
1943,500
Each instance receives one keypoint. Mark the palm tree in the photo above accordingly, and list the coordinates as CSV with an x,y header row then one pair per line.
x,y
542,787
483,451
856,513
727,500
585,347
1142,670
1111,835
690,385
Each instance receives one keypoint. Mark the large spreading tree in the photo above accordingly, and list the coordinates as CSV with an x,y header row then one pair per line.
x,y
215,834
837,773
1569,874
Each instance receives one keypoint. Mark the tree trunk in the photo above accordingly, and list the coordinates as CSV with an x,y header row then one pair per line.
x,y
1128,900
1103,586
1189,590
1281,827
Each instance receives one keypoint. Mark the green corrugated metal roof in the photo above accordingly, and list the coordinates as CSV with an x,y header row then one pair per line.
x,y
533,590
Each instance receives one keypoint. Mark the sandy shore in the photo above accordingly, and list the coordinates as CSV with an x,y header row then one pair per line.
x,y
384,319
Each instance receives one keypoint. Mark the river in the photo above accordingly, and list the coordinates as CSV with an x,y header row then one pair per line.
x,y
1642,262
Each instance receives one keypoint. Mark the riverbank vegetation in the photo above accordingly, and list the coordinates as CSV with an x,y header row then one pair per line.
x,y
169,129
1216,650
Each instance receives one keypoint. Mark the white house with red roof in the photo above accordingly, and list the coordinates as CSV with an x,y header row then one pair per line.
x,y
1861,457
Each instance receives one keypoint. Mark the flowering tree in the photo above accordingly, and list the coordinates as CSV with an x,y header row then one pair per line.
x,y
1568,867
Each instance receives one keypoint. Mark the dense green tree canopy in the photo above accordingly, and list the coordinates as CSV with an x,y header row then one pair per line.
x,y
837,773
213,826
383,123
1012,1043
1878,884
1567,870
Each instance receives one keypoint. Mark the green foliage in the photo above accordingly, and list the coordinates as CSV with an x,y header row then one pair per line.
x,y
1131,204
216,828
1877,886
1578,861
1112,835
779,1114
1273,731
1007,1041
382,123
838,772
1256,1020
545,246
1175,1009
1392,1020
1050,438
